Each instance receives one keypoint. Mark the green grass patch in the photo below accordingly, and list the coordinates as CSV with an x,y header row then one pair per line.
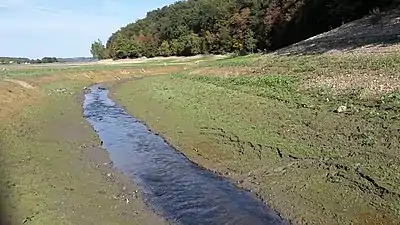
x,y
29,71
235,61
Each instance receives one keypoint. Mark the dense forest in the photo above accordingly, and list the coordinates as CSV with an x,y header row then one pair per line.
x,y
223,26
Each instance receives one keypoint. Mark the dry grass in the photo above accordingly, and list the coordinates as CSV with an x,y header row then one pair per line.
x,y
224,72
370,83
372,74
14,97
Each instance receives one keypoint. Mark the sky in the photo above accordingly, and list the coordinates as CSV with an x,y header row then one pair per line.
x,y
60,28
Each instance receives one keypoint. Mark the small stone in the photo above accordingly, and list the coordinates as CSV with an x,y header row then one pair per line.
x,y
341,109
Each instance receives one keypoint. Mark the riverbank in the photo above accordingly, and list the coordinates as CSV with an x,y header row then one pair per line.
x,y
294,130
53,170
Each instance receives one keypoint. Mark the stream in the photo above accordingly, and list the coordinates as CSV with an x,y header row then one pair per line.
x,y
171,185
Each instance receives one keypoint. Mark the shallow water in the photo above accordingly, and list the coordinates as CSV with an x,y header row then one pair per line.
x,y
172,185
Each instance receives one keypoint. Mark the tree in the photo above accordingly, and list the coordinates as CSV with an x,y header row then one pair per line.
x,y
175,47
225,41
49,60
239,25
98,50
189,44
250,43
195,44
164,49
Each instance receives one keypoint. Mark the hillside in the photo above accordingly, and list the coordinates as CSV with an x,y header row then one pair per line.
x,y
377,32
223,26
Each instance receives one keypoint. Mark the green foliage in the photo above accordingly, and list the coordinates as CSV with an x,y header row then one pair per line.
x,y
49,60
223,26
165,49
250,43
8,60
11,60
98,50
189,44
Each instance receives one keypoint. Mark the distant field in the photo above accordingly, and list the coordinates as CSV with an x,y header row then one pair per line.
x,y
9,71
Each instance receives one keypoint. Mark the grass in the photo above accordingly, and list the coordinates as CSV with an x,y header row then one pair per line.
x,y
277,87
277,131
12,71
315,63
235,61
28,71
370,74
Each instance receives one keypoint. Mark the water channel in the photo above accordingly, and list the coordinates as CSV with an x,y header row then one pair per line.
x,y
172,186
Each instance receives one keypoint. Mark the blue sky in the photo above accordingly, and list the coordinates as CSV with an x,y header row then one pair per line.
x,y
60,28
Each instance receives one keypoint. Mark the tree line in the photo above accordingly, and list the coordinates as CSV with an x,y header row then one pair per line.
x,y
224,26
12,60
